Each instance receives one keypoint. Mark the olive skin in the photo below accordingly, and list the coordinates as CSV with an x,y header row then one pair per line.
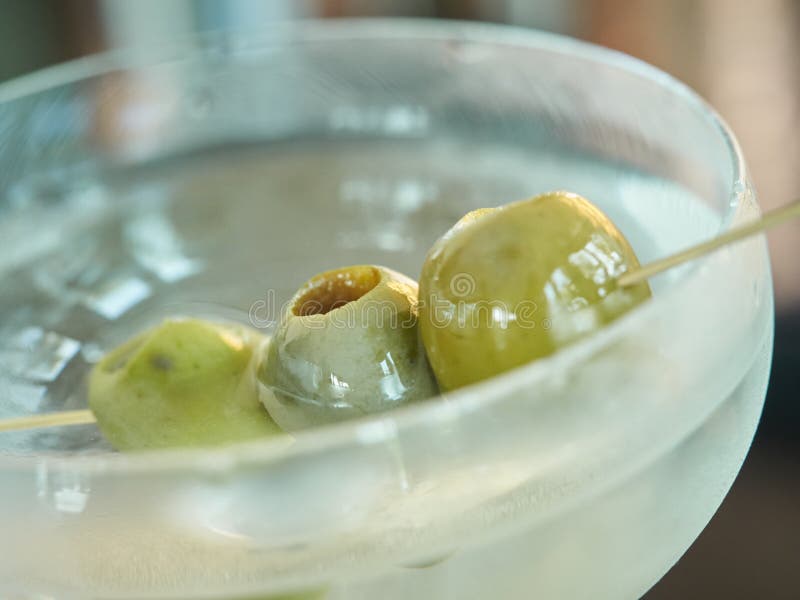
x,y
510,285
347,346
182,383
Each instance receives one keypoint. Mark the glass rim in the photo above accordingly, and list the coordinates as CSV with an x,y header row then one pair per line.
x,y
458,403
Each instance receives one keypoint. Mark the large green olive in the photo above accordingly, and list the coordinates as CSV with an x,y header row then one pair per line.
x,y
510,285
183,383
347,346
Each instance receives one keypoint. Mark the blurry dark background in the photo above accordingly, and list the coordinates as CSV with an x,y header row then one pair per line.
x,y
742,55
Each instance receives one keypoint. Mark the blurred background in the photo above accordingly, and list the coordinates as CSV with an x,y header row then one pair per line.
x,y
742,55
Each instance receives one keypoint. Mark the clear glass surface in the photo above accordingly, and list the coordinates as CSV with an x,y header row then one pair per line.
x,y
213,177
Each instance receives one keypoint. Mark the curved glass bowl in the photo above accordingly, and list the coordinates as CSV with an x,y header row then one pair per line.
x,y
213,177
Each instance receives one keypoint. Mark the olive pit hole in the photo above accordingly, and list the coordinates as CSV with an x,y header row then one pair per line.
x,y
333,289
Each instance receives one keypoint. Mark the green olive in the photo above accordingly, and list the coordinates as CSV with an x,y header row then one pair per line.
x,y
347,345
510,285
183,383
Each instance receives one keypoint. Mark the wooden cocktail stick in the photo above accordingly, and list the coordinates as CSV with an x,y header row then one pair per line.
x,y
55,419
770,219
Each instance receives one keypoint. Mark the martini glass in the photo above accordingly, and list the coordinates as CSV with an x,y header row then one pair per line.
x,y
213,176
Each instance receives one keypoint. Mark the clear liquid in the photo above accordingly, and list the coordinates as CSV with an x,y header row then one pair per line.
x,y
231,234
218,233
